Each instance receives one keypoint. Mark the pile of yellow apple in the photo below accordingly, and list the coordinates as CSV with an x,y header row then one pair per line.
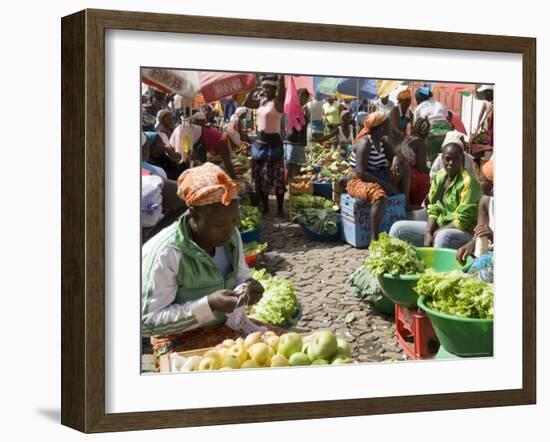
x,y
270,350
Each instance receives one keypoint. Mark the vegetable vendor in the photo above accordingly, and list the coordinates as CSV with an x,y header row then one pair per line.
x,y
344,134
483,264
373,180
190,269
452,205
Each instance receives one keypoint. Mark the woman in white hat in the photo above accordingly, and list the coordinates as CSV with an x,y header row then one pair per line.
x,y
485,119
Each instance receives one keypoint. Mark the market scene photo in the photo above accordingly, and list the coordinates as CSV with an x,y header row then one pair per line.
x,y
298,220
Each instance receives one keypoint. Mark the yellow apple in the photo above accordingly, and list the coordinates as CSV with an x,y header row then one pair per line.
x,y
259,352
250,363
209,363
232,361
273,342
252,339
228,343
213,354
279,361
239,351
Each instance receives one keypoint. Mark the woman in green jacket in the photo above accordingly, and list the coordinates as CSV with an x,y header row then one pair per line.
x,y
191,268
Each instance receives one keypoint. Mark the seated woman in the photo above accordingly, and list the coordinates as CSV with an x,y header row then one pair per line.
x,y
191,268
452,206
373,180
484,228
469,161
164,156
412,150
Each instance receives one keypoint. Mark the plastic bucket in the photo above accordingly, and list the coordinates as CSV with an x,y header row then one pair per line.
x,y
467,337
384,305
400,288
251,235
251,260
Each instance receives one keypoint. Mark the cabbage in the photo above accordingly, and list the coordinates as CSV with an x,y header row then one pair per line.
x,y
319,221
279,304
253,248
250,218
457,294
393,256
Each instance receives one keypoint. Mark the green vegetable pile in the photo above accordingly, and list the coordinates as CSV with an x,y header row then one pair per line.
x,y
319,221
279,304
393,256
457,294
333,167
253,248
250,218
365,286
299,202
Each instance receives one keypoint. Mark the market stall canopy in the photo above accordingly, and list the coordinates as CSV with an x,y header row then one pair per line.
x,y
386,87
452,88
217,85
352,87
184,83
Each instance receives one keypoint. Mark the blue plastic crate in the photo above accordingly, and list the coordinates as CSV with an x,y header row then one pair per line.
x,y
323,189
251,235
356,218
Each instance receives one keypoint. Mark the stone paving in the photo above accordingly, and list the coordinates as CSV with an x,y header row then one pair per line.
x,y
320,272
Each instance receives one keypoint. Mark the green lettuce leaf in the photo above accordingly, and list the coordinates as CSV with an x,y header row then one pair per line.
x,y
393,256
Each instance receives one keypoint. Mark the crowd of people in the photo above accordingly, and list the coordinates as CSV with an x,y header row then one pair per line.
x,y
193,257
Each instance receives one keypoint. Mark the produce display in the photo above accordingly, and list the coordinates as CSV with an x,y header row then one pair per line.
x,y
364,285
319,221
301,187
457,294
299,202
325,165
250,218
279,304
267,349
393,256
254,248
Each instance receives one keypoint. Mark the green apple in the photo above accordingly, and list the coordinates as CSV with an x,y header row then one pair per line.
x,y
340,359
209,363
323,345
250,363
343,348
289,343
298,358
279,361
259,352
319,362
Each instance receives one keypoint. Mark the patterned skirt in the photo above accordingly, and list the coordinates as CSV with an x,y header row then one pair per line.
x,y
268,175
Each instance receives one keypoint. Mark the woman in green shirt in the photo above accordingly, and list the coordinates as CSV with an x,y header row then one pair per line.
x,y
452,206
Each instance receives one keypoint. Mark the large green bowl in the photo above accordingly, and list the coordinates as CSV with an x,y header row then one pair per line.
x,y
400,288
467,337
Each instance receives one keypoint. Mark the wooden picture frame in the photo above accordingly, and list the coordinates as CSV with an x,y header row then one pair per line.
x,y
83,219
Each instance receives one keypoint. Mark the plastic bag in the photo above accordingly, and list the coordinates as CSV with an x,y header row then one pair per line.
x,y
151,200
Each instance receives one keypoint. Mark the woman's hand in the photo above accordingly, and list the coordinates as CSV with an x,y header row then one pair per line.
x,y
223,300
255,291
466,250
483,230
428,239
388,187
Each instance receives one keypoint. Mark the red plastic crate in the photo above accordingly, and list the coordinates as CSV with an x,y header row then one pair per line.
x,y
415,333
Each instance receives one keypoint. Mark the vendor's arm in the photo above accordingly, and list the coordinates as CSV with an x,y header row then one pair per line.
x,y
160,314
482,228
251,102
243,276
280,95
465,215
225,154
328,136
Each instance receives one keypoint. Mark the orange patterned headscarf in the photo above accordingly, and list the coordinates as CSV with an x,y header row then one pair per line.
x,y
206,184
404,95
372,120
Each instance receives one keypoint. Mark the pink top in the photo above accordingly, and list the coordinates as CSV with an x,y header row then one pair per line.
x,y
268,118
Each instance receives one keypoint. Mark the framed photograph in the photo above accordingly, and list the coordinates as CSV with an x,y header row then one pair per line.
x,y
140,83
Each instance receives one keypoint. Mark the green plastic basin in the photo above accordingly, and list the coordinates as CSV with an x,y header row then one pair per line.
x,y
400,288
384,305
466,337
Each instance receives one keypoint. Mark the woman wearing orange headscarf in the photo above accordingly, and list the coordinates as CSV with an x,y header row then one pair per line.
x,y
373,178
191,268
401,117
